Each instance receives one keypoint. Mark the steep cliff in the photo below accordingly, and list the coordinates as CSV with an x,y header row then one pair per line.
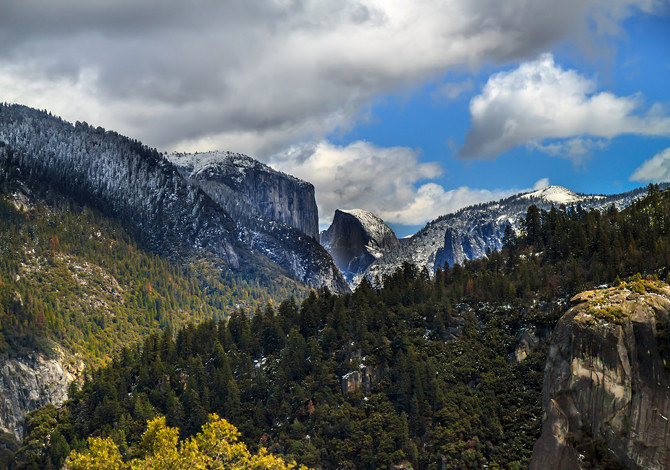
x,y
276,214
355,239
606,393
30,381
237,180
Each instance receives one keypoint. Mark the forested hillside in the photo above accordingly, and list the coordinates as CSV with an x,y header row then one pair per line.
x,y
365,380
418,371
70,274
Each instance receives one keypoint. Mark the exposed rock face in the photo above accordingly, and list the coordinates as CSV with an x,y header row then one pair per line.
x,y
276,214
355,239
529,339
31,381
360,379
607,374
248,182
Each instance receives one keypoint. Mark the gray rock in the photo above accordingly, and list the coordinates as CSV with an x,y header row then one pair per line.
x,y
31,381
606,373
355,239
236,180
275,213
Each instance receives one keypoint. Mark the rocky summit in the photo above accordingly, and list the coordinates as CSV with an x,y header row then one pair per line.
x,y
355,239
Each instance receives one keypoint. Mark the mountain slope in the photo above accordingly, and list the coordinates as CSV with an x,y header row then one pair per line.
x,y
418,370
470,232
137,185
355,239
75,287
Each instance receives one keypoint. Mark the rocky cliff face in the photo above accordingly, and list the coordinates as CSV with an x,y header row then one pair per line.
x,y
30,381
606,392
238,180
361,379
276,214
355,239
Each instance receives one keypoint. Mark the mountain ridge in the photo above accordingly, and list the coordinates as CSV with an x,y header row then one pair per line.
x,y
167,212
470,231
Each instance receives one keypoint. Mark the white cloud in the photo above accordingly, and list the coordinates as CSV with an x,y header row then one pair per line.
x,y
539,100
656,169
576,149
257,75
390,182
541,184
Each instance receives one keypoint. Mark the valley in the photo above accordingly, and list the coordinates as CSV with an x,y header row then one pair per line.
x,y
136,285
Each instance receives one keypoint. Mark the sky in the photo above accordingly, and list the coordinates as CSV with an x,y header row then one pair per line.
x,y
408,108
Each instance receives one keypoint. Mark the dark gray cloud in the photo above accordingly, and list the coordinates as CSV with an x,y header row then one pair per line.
x,y
258,75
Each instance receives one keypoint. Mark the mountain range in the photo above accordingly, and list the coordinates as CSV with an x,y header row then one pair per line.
x,y
172,210
106,241
466,234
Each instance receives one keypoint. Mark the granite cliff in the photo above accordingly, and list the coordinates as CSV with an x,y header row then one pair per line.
x,y
238,181
30,381
606,393
355,239
275,213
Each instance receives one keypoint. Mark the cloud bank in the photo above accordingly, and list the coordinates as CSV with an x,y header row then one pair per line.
x,y
540,100
264,76
656,169
387,181
257,75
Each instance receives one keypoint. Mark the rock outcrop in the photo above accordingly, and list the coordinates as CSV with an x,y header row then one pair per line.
x,y
355,239
530,337
607,381
360,379
30,381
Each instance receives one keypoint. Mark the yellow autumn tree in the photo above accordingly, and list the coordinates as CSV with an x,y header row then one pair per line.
x,y
215,447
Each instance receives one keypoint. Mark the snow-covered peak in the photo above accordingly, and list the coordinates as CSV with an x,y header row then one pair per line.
x,y
198,162
554,194
373,225
215,162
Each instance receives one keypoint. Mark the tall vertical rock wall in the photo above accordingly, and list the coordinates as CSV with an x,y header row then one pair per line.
x,y
275,213
607,380
355,239
238,180
30,381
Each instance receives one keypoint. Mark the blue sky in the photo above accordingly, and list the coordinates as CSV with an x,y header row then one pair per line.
x,y
633,63
410,109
